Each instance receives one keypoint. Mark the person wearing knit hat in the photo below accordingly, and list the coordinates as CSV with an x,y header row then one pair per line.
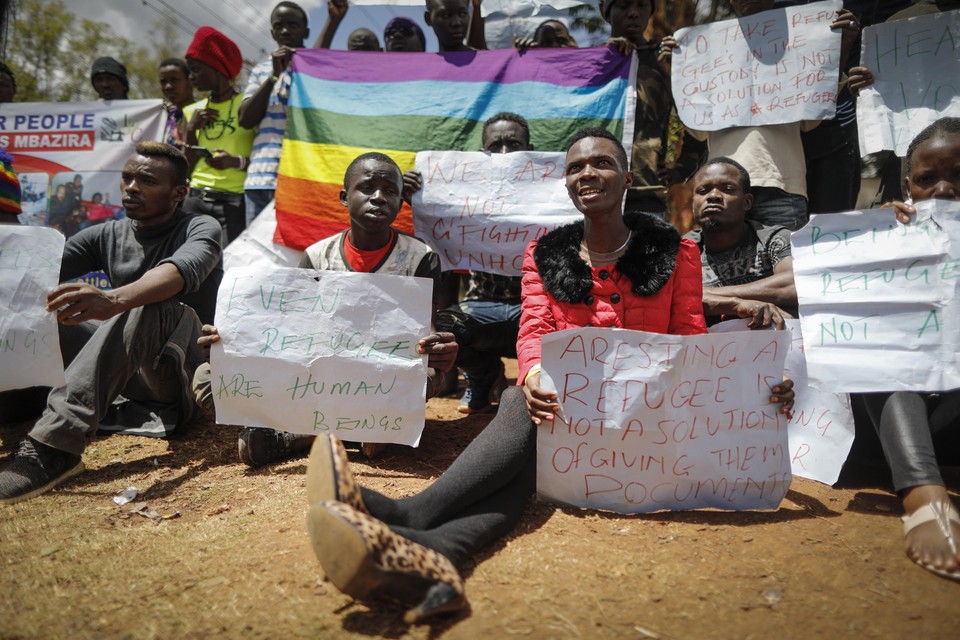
x,y
9,190
109,79
217,144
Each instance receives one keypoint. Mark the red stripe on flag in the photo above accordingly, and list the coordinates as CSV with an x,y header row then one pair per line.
x,y
308,211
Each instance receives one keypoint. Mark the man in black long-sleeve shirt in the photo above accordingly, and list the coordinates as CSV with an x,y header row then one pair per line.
x,y
165,267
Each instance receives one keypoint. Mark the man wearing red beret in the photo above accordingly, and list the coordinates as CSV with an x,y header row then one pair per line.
x,y
217,145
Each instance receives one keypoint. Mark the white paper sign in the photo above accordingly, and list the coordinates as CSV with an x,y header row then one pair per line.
x,y
514,6
653,422
916,69
479,211
322,351
878,300
769,68
29,336
500,28
821,430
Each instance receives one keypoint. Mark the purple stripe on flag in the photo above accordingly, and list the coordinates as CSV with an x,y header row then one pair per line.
x,y
563,67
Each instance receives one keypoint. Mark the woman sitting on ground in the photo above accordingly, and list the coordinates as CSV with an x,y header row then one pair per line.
x,y
907,422
609,270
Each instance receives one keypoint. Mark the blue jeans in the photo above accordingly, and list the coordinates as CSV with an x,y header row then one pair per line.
x,y
774,207
147,354
486,330
256,200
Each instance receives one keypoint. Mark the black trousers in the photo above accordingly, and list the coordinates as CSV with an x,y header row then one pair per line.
x,y
907,424
480,498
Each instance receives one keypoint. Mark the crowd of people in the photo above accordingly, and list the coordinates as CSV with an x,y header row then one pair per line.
x,y
189,195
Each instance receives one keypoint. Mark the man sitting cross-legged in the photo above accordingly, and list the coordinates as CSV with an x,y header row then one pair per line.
x,y
747,267
372,195
138,339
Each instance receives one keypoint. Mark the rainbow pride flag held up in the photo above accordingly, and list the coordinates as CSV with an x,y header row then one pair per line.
x,y
344,103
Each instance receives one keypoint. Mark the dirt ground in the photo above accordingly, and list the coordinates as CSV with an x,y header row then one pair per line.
x,y
211,548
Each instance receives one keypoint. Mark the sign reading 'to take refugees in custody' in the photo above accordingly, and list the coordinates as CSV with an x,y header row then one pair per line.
x,y
769,68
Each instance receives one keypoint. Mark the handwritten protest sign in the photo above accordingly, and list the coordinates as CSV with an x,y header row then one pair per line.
x,y
769,68
29,337
321,351
821,430
916,69
479,211
878,300
513,6
651,421
491,6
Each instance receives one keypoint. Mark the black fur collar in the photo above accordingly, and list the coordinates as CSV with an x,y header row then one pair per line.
x,y
648,262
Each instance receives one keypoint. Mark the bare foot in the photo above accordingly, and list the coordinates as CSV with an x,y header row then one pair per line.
x,y
928,544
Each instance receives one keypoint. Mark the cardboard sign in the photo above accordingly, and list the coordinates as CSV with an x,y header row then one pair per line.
x,y
878,299
29,336
479,211
322,351
772,67
916,70
651,421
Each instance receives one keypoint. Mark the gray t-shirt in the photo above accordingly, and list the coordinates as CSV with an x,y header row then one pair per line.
x,y
759,251
124,251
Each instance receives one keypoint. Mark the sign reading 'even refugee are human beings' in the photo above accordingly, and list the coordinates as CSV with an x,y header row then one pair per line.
x,y
772,67
651,421
322,352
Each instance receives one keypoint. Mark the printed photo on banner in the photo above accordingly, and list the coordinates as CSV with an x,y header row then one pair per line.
x,y
771,67
915,64
69,156
879,305
651,422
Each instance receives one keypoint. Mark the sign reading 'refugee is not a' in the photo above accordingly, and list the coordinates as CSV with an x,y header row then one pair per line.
x,y
651,422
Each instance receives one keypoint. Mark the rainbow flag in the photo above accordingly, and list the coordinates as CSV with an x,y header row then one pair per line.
x,y
344,103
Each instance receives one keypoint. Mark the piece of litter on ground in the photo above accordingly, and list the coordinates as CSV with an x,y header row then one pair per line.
x,y
142,509
170,516
125,496
773,596
646,633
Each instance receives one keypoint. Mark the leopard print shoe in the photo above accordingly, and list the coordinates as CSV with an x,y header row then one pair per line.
x,y
364,559
328,474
